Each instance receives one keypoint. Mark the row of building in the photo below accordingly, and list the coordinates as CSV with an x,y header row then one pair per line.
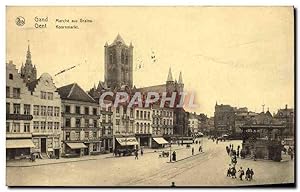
x,y
68,121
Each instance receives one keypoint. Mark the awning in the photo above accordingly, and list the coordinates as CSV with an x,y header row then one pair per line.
x,y
160,140
76,145
127,141
19,143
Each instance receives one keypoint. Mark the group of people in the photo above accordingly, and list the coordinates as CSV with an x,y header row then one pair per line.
x,y
231,172
136,153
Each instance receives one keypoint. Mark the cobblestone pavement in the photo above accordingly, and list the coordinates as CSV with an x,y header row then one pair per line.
x,y
202,169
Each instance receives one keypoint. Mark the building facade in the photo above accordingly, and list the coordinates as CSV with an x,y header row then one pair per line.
x,y
19,111
46,108
143,126
81,122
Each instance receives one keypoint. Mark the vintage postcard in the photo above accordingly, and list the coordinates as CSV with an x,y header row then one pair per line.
x,y
150,96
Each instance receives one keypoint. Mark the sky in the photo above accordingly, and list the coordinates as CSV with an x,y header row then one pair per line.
x,y
242,56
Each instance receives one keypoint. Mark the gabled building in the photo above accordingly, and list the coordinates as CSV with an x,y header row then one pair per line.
x,y
19,115
80,122
46,106
287,117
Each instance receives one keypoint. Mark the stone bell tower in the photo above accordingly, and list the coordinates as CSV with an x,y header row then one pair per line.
x,y
118,63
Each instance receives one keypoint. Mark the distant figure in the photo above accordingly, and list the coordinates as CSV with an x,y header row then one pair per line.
x,y
174,156
192,150
136,154
241,173
200,148
292,155
251,174
233,173
229,171
227,150
254,156
248,174
238,152
32,157
142,151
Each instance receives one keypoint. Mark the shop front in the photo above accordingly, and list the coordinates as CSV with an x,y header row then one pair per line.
x,y
18,148
144,140
125,146
159,142
75,149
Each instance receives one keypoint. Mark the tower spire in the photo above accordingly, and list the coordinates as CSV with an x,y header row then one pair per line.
x,y
180,78
170,78
28,55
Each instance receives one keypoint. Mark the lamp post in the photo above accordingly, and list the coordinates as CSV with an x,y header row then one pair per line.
x,y
170,149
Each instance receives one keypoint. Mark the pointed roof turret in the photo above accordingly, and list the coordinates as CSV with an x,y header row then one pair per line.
x,y
119,39
170,77
180,78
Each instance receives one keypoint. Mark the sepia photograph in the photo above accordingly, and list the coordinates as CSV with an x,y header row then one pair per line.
x,y
150,96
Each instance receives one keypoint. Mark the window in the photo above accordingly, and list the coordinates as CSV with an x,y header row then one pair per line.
x,y
50,125
35,126
137,114
68,136
94,111
16,108
141,115
36,110
7,92
95,146
11,77
7,108
86,122
43,126
86,135
103,118
77,109
145,114
117,110
68,122
56,111
50,96
77,136
43,95
16,93
95,123
95,135
26,109
16,128
86,110
124,110
117,121
67,109
7,127
43,110
148,115
131,112
50,111
148,127
56,125
26,127
78,122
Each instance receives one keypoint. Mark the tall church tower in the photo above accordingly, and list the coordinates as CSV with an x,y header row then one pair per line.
x,y
180,83
170,85
118,63
28,72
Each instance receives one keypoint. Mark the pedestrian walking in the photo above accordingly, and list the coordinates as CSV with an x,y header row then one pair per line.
x,y
251,174
142,151
136,154
233,173
192,150
241,173
174,156
238,152
229,171
248,173
200,148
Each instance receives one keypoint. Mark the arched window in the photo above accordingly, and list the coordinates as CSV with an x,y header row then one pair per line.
x,y
111,58
11,76
141,128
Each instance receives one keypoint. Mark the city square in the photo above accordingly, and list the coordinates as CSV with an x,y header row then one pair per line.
x,y
203,169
